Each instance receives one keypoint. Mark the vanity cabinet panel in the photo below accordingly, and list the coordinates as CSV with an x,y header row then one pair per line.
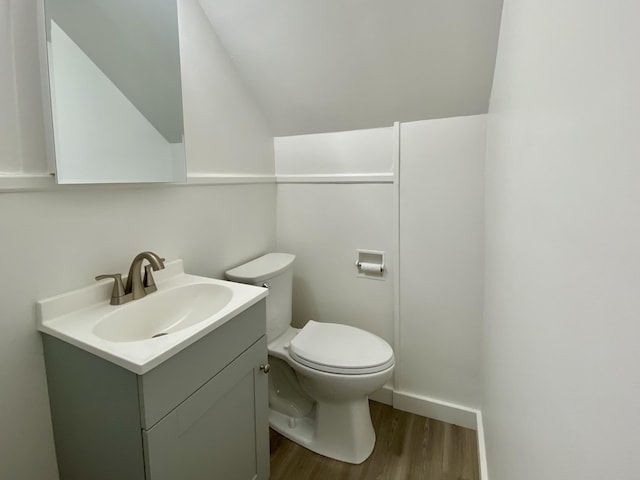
x,y
213,433
95,415
172,381
204,408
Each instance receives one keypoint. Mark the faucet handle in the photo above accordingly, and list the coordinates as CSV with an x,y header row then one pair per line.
x,y
148,282
117,293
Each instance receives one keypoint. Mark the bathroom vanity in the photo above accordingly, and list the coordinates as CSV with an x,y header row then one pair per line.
x,y
201,413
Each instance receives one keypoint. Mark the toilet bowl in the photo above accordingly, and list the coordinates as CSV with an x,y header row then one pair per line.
x,y
321,374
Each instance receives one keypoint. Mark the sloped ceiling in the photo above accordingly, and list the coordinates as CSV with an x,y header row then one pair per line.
x,y
330,65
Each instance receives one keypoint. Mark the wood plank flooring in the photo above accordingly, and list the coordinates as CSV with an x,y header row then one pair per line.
x,y
408,447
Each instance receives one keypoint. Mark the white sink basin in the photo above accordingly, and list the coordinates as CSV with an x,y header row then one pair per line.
x,y
163,312
143,333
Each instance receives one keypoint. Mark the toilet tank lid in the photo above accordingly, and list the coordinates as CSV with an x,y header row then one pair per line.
x,y
261,269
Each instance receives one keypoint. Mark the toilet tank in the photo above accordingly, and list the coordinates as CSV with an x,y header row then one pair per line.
x,y
275,271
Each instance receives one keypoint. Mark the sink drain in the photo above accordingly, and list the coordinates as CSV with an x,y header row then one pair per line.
x,y
159,334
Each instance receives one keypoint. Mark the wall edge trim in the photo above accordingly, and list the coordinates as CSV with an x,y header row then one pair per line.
x,y
382,177
25,182
21,182
482,448
227,179
37,182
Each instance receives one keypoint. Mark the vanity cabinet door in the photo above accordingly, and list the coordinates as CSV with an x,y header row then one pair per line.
x,y
221,431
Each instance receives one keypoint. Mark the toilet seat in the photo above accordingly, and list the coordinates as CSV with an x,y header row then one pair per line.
x,y
341,349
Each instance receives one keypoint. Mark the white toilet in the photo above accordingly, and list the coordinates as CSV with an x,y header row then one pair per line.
x,y
321,374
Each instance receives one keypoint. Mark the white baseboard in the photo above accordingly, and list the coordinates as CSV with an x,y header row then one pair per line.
x,y
482,449
384,395
446,412
436,409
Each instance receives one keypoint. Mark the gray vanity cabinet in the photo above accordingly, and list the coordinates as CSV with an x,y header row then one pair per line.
x,y
212,434
202,414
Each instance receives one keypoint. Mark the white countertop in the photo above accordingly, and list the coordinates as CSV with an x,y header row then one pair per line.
x,y
73,316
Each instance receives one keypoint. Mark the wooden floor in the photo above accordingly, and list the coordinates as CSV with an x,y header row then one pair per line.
x,y
408,447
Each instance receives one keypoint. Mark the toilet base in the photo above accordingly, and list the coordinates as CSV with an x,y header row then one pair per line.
x,y
342,431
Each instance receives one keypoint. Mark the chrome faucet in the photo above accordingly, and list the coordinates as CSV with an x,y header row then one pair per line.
x,y
137,286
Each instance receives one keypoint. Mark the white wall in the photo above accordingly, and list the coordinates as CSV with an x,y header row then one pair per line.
x,y
57,240
358,152
9,145
225,132
22,146
562,361
324,223
441,258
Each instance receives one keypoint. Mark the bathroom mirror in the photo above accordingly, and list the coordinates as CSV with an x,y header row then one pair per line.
x,y
115,91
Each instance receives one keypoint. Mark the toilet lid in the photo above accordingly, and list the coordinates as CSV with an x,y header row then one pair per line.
x,y
336,348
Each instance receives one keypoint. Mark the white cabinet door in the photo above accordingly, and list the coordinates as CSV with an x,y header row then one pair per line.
x,y
220,432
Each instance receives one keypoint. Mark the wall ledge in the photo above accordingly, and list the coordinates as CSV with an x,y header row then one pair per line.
x,y
21,182
226,179
38,182
384,177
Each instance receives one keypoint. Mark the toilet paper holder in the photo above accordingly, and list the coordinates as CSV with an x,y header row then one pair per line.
x,y
366,266
370,264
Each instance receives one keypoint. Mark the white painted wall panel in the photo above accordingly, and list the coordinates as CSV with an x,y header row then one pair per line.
x,y
323,225
561,354
9,129
225,131
441,230
28,88
356,151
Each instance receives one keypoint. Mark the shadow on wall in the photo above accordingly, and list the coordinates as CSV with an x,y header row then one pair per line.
x,y
304,303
